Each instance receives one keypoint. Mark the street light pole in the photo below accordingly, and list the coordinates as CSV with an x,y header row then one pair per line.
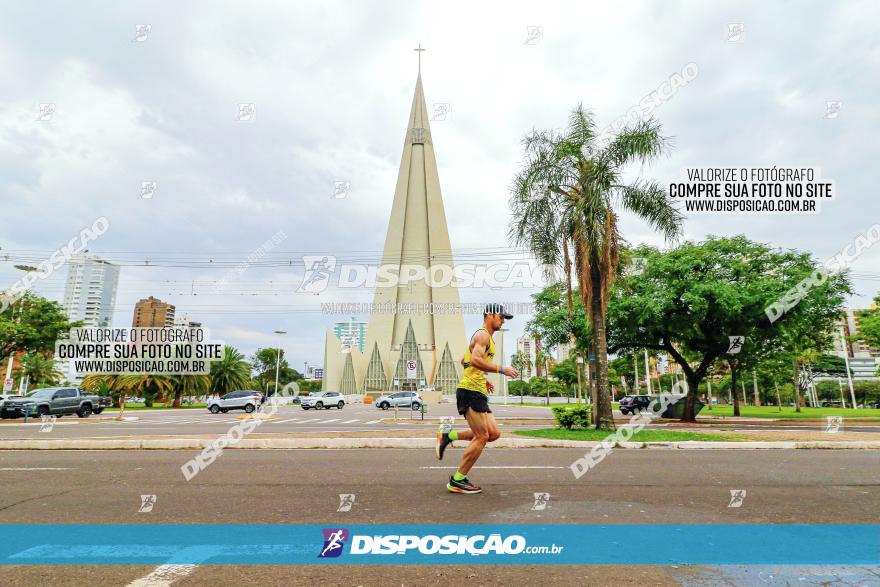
x,y
852,393
277,363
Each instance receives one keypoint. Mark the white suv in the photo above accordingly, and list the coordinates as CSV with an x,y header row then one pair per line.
x,y
323,399
246,400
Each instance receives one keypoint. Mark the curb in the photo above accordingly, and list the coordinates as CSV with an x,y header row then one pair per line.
x,y
412,443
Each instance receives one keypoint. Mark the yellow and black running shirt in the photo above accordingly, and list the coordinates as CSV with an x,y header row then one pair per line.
x,y
475,379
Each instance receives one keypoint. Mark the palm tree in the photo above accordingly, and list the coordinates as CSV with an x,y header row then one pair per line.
x,y
230,373
567,193
189,385
39,370
149,385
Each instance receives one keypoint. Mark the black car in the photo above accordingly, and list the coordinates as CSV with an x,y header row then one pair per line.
x,y
634,403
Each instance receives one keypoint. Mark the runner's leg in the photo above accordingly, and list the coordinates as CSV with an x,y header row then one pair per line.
x,y
483,429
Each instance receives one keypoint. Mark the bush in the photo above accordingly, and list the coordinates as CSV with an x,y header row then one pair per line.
x,y
570,416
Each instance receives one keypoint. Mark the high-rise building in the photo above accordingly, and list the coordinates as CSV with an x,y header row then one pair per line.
x,y
352,333
408,350
153,313
526,346
90,291
863,359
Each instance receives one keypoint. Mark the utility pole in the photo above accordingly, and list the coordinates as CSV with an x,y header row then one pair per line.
x,y
647,373
852,393
278,362
840,387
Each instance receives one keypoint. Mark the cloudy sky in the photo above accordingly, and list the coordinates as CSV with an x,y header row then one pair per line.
x,y
331,84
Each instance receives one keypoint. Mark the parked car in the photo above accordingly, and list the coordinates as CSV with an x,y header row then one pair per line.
x,y
3,398
323,399
247,400
634,403
55,401
408,399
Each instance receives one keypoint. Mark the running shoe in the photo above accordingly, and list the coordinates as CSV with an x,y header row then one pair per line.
x,y
463,486
443,441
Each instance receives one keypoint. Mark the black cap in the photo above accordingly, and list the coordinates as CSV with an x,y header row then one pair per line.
x,y
497,309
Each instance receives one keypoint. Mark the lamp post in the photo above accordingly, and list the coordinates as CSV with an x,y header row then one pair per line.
x,y
278,362
852,393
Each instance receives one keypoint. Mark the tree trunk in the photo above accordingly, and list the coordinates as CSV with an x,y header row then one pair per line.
x,y
778,401
690,400
798,398
605,419
733,388
176,402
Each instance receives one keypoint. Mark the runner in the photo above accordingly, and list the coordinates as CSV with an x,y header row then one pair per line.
x,y
472,397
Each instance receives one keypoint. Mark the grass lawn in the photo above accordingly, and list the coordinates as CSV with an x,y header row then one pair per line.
x,y
157,406
787,412
642,436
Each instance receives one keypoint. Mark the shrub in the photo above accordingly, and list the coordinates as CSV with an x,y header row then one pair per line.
x,y
571,416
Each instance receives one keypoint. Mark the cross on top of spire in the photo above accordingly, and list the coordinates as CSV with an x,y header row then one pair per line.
x,y
419,52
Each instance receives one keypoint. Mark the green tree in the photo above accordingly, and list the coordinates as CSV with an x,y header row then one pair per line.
x,y
32,324
569,193
869,324
230,373
690,300
263,362
148,385
39,370
189,385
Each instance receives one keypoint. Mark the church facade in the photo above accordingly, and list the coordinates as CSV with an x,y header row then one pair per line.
x,y
422,345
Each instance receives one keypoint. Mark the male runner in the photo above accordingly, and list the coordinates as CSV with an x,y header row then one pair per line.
x,y
472,396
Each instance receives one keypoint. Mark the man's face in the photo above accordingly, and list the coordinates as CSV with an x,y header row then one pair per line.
x,y
497,321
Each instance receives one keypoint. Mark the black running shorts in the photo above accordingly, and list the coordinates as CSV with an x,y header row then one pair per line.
x,y
474,400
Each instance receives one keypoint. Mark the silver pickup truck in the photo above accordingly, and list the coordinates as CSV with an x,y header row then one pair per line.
x,y
55,401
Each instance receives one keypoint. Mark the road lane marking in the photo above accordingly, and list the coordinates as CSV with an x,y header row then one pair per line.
x,y
286,421
311,420
350,421
163,576
333,420
374,421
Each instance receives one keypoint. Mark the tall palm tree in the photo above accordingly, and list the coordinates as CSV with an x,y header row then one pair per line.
x,y
568,193
230,373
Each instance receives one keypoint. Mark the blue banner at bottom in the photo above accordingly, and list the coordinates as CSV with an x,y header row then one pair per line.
x,y
520,544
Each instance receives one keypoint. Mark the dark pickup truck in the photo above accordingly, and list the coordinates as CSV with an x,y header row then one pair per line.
x,y
56,401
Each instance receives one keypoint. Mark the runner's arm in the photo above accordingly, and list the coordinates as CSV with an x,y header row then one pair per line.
x,y
478,354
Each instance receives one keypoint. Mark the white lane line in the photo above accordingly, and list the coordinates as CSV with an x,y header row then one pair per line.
x,y
350,421
333,420
311,420
374,421
286,421
36,468
163,576
503,467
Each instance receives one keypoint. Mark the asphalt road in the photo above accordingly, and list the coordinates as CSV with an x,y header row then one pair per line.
x,y
407,486
352,418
